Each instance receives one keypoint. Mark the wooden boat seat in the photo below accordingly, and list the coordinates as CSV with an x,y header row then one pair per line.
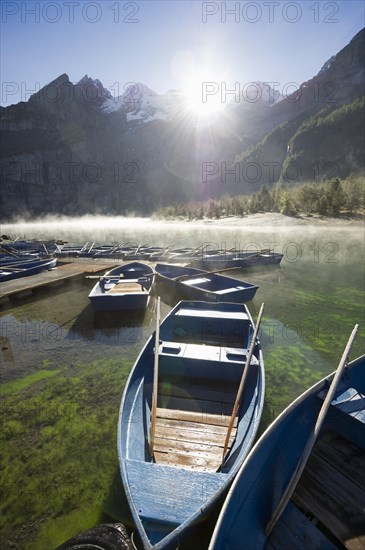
x,y
332,489
193,360
349,401
211,314
191,423
206,352
195,281
226,290
126,287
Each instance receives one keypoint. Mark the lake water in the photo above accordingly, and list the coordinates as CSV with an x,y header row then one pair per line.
x,y
64,369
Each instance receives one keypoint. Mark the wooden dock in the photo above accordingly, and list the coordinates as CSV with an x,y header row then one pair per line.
x,y
66,270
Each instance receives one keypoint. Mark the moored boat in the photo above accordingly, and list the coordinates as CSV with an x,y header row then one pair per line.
x,y
239,260
189,415
125,287
303,484
197,284
25,268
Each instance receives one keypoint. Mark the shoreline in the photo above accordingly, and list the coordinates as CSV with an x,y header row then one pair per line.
x,y
248,219
270,219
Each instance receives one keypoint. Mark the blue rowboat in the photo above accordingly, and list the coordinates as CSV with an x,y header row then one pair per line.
x,y
25,269
327,507
125,287
7,258
181,438
142,252
35,246
197,284
222,260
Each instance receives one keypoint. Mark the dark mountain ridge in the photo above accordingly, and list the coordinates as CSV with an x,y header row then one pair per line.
x,y
74,148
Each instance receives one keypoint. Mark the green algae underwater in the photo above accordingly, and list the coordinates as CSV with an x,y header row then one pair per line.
x,y
64,370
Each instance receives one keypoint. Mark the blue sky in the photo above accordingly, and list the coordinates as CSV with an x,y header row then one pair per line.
x,y
163,44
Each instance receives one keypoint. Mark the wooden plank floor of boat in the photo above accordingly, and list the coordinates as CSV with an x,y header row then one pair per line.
x,y
191,423
126,287
332,489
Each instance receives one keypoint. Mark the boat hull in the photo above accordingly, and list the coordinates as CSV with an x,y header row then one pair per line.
x,y
268,469
126,287
169,501
26,269
196,284
120,303
223,261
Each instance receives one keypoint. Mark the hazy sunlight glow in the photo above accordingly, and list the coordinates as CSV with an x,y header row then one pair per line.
x,y
203,98
202,89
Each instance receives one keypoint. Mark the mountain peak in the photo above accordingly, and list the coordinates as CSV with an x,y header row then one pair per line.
x,y
51,90
137,89
83,79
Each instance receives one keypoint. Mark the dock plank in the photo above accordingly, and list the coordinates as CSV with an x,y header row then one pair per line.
x,y
60,273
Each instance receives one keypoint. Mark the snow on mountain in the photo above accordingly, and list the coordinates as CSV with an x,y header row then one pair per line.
x,y
141,103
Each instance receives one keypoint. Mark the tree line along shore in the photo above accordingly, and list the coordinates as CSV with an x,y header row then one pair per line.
x,y
336,198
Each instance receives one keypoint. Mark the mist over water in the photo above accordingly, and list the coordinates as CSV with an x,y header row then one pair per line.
x,y
329,242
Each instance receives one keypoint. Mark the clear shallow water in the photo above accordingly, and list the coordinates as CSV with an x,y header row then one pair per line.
x,y
63,369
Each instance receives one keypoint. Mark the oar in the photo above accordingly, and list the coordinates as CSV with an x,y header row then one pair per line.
x,y
167,249
243,381
115,248
155,378
8,251
91,247
196,249
312,439
4,268
101,277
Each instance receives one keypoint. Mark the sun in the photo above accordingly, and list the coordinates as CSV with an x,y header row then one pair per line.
x,y
203,98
